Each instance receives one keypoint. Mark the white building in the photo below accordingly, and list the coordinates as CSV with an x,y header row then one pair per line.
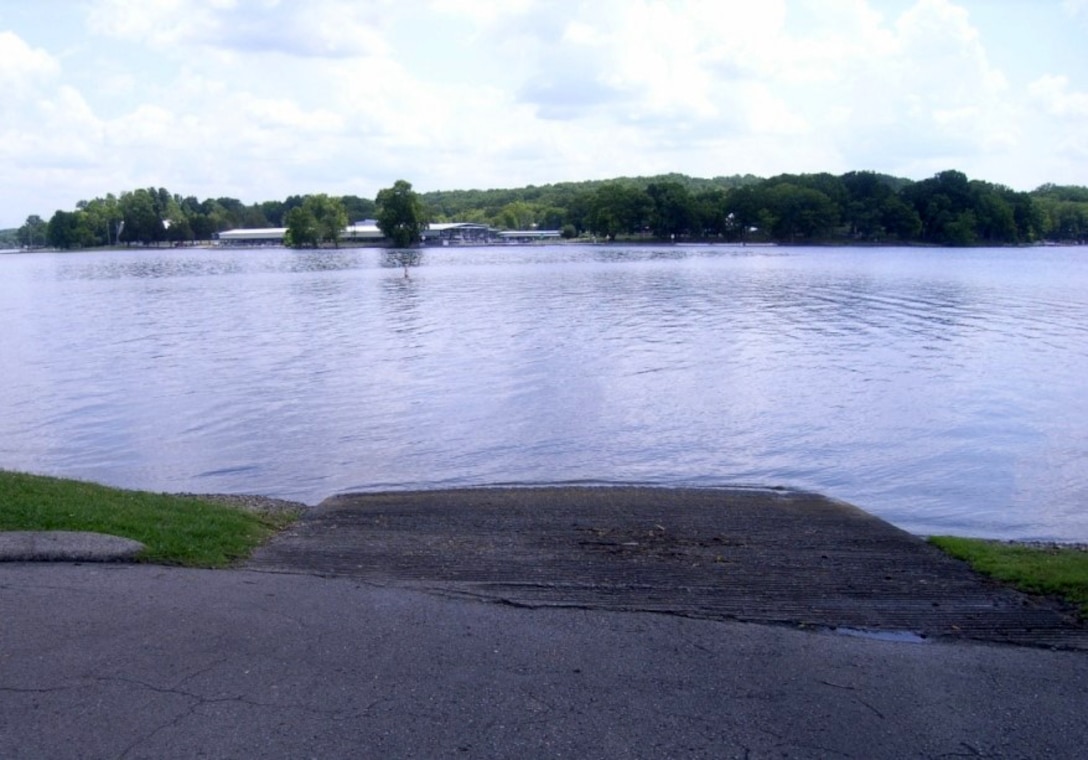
x,y
447,233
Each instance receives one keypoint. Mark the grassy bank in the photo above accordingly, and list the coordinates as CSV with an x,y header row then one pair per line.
x,y
1050,570
176,530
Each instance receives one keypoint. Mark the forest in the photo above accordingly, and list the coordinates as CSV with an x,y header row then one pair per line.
x,y
858,207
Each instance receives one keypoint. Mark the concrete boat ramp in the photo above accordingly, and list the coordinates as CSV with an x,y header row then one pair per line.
x,y
755,555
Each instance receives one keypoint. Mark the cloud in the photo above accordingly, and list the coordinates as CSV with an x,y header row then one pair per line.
x,y
1051,92
923,95
833,73
317,28
484,13
46,125
639,60
1065,128
23,68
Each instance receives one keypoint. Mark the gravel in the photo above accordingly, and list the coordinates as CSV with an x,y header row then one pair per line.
x,y
1047,545
249,502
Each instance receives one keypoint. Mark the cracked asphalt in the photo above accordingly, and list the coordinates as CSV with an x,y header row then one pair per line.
x,y
139,661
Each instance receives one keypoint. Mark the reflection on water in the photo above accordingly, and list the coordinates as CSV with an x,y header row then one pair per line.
x,y
942,390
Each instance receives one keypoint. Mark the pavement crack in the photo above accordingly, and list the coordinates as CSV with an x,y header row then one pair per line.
x,y
211,666
875,711
970,751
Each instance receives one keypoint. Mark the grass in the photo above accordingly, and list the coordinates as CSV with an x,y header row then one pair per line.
x,y
1053,571
176,530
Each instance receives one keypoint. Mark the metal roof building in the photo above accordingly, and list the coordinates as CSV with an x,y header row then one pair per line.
x,y
266,235
446,233
459,233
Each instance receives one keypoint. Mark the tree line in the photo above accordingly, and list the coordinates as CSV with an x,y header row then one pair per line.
x,y
863,207
150,216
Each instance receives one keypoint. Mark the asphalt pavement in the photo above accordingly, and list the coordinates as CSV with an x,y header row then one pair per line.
x,y
388,650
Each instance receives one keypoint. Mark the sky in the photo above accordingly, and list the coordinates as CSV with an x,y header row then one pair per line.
x,y
262,99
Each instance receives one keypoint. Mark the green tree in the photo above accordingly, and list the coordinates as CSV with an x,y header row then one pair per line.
x,y
329,216
710,213
32,233
995,222
103,218
863,207
401,215
801,213
358,208
253,217
550,218
68,229
942,203
579,207
302,230
201,225
899,219
1063,220
962,230
517,215
1028,215
142,223
673,211
743,212
618,208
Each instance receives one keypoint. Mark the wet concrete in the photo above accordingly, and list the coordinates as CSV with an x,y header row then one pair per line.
x,y
762,556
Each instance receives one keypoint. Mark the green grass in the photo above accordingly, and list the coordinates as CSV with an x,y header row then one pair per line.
x,y
176,530
1051,571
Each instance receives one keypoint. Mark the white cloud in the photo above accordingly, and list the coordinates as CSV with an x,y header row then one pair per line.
x,y
482,12
23,68
317,28
642,60
835,72
1052,93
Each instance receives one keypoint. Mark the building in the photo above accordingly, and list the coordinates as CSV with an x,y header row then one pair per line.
x,y
366,231
259,236
459,233
529,236
363,231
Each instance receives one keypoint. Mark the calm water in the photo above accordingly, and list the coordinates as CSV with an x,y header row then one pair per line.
x,y
943,390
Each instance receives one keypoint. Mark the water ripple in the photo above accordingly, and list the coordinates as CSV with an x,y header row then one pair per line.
x,y
942,390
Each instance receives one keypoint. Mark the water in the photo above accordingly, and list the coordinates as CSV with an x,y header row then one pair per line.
x,y
943,390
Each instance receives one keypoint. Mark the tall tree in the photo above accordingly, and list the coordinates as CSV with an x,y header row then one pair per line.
x,y
615,208
142,223
401,216
32,233
68,229
302,229
673,210
711,211
329,215
517,215
801,213
743,206
103,218
358,208
944,204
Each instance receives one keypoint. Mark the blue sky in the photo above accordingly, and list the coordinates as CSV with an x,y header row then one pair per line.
x,y
260,99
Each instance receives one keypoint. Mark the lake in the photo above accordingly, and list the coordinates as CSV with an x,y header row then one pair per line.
x,y
945,390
